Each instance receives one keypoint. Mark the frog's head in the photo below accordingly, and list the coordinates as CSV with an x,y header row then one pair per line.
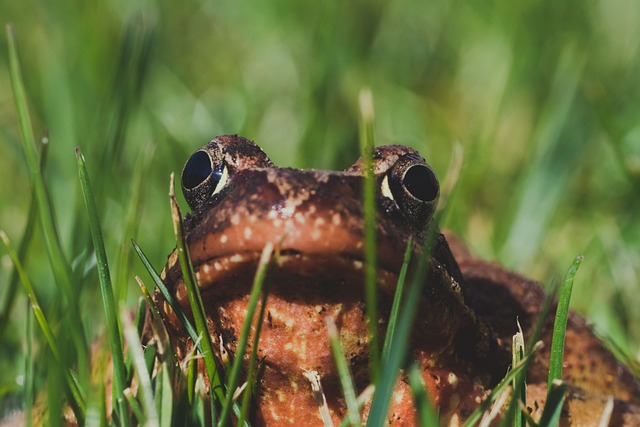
x,y
241,201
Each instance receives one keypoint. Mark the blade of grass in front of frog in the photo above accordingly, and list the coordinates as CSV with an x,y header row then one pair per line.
x,y
256,291
367,145
533,341
12,287
59,265
553,407
397,299
363,398
192,376
517,354
139,324
29,395
560,323
163,396
132,221
76,397
353,414
426,411
108,298
400,339
140,366
195,301
476,415
253,359
175,306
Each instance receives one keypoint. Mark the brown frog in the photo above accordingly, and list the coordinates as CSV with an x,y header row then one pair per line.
x,y
462,334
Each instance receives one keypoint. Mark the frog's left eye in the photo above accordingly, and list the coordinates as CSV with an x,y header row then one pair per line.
x,y
203,176
412,184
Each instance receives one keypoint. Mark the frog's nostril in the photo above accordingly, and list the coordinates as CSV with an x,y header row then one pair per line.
x,y
197,170
421,182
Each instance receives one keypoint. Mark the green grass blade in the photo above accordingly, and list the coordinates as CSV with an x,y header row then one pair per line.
x,y
133,218
256,290
514,404
253,359
29,395
76,397
195,301
517,354
166,294
353,414
426,412
367,145
560,323
508,379
397,299
400,340
12,287
106,290
164,396
140,366
59,265
553,408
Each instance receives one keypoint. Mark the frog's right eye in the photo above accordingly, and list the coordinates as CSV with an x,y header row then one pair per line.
x,y
204,175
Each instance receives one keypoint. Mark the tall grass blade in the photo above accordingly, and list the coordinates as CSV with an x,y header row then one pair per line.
x,y
367,145
133,218
59,265
140,366
353,413
253,358
560,323
195,301
29,395
400,340
256,290
166,294
164,396
553,408
397,299
106,290
12,287
76,396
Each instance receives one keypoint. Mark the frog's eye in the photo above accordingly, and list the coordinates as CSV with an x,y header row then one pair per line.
x,y
203,176
413,185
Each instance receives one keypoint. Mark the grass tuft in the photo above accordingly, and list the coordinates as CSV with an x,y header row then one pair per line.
x,y
106,290
76,394
367,145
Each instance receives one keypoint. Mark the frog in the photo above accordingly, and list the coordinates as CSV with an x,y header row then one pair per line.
x,y
467,315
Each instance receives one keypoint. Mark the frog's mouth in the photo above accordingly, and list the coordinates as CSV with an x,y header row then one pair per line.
x,y
293,273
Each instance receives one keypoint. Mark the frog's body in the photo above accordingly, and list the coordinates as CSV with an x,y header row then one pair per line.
x,y
461,338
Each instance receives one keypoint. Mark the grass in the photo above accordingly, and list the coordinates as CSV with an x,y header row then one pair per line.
x,y
542,97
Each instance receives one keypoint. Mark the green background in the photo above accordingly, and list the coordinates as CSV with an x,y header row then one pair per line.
x,y
542,95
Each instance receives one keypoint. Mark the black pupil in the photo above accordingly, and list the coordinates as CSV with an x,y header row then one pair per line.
x,y
197,169
420,181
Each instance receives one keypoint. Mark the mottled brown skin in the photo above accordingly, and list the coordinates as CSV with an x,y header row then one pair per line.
x,y
465,322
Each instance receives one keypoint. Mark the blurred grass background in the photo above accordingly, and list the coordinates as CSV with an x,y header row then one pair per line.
x,y
542,95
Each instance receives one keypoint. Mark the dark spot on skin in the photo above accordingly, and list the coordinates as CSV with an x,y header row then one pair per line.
x,y
229,336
